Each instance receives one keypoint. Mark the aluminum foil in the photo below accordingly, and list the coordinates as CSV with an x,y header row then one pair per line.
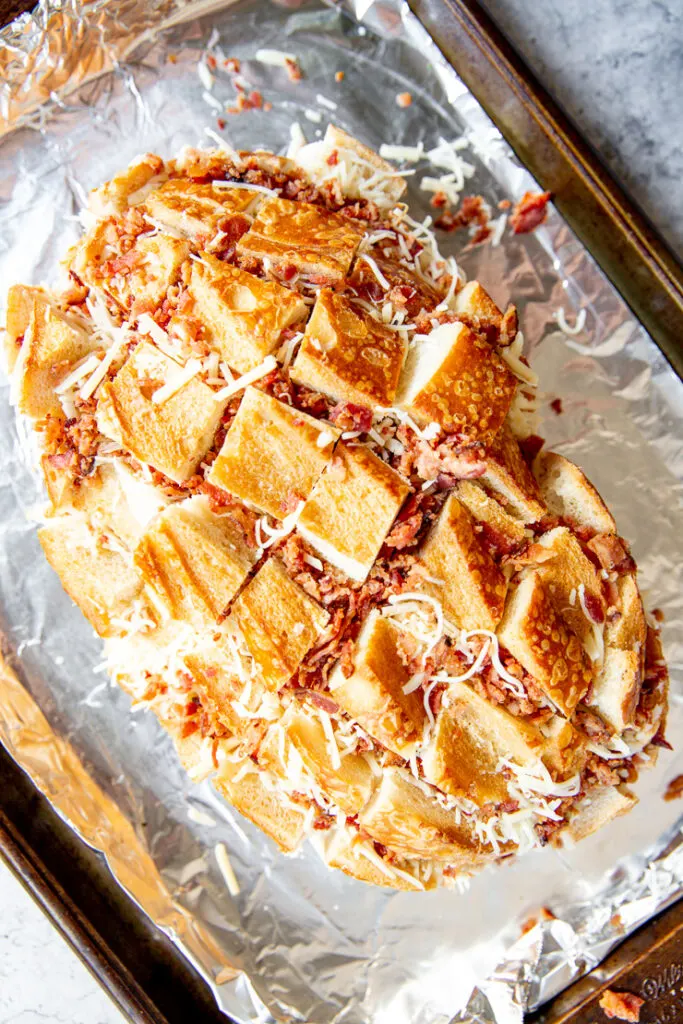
x,y
83,91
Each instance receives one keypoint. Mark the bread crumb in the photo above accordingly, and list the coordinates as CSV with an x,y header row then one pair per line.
x,y
404,99
675,789
621,1006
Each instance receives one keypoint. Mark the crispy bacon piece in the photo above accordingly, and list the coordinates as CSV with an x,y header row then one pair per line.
x,y
320,700
348,416
621,1005
531,446
530,212
611,552
472,212
449,462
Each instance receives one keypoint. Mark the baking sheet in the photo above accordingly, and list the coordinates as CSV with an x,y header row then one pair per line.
x,y
96,86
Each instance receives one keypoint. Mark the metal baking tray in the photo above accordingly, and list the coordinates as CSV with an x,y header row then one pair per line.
x,y
141,970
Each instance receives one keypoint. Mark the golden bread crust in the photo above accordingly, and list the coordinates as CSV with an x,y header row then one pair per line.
x,y
303,236
172,436
273,454
349,356
278,621
373,693
243,316
196,209
195,561
474,588
540,640
99,579
470,739
351,509
456,379
510,479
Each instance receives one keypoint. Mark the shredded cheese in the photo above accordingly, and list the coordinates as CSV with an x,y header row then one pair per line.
x,y
579,323
405,154
268,364
177,381
376,271
200,818
226,869
274,58
90,363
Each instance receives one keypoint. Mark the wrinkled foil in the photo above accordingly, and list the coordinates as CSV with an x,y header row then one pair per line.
x,y
83,90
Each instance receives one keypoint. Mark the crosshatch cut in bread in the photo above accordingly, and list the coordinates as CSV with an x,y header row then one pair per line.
x,y
286,449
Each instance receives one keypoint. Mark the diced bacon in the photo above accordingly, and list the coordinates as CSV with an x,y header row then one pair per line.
x,y
530,212
621,1005
611,552
320,700
531,446
348,416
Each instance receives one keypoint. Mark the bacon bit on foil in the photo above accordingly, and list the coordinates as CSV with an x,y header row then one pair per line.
x,y
621,1006
294,71
471,212
530,212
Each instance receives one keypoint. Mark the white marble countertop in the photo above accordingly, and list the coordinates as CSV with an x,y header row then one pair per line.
x,y
41,980
616,70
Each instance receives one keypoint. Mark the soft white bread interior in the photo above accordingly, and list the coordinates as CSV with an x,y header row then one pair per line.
x,y
373,693
567,492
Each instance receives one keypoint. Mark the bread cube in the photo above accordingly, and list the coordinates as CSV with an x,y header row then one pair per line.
x,y
349,355
470,739
474,300
506,530
304,236
351,509
21,302
454,378
374,695
564,575
278,621
617,687
98,578
538,637
51,344
243,315
198,209
219,685
511,480
599,808
473,591
194,560
174,435
344,849
359,170
348,781
263,806
628,630
146,272
114,196
272,454
404,818
112,499
567,492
